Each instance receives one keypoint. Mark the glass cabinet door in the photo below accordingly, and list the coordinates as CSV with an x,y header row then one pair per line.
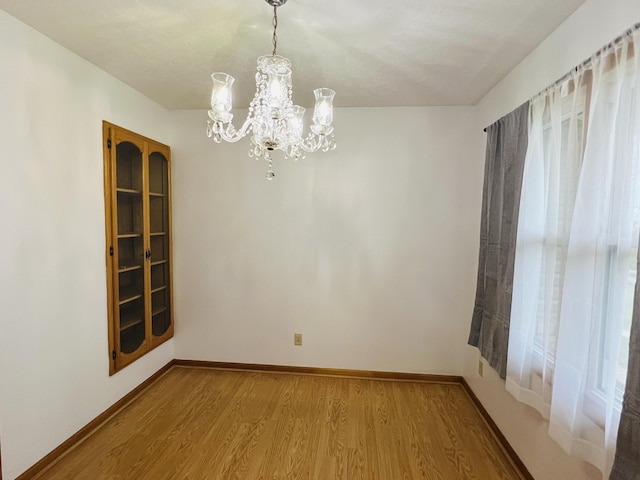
x,y
130,247
138,255
159,233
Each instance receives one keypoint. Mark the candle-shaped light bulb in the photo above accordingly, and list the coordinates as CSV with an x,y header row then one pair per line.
x,y
323,111
221,98
296,121
278,84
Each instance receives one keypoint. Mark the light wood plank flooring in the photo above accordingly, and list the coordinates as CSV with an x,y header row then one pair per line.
x,y
214,424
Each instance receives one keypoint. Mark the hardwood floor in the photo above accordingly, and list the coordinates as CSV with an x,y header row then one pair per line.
x,y
218,424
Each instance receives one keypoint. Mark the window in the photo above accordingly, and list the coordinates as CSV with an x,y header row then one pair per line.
x,y
555,240
576,253
621,260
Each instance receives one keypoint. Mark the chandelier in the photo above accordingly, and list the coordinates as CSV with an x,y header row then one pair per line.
x,y
273,121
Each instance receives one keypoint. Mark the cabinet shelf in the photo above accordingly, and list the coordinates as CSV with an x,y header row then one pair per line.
x,y
128,191
157,311
129,235
157,234
154,194
158,262
129,268
130,320
159,289
129,294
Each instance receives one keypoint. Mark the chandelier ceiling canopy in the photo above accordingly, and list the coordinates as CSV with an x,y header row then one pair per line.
x,y
273,121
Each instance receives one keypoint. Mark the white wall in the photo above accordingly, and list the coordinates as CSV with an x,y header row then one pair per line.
x,y
368,250
54,375
593,25
589,28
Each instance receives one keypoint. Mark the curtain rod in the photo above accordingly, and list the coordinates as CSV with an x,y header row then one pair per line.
x,y
587,63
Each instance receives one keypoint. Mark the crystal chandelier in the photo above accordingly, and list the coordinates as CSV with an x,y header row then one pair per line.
x,y
274,122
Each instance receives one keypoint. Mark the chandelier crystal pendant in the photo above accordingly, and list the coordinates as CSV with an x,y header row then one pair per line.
x,y
273,121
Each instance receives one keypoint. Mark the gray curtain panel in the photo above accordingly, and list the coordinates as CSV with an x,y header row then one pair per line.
x,y
626,465
504,165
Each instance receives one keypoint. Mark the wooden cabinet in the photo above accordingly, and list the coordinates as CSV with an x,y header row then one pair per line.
x,y
137,179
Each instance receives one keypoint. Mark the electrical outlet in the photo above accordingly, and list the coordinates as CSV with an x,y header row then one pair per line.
x,y
297,339
480,367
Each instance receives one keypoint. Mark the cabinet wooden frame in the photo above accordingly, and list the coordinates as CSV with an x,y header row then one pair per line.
x,y
140,233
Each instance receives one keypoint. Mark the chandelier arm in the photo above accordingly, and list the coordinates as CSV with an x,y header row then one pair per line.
x,y
246,126
231,135
231,139
315,142
312,143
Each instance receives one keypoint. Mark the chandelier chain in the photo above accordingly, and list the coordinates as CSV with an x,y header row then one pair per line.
x,y
275,27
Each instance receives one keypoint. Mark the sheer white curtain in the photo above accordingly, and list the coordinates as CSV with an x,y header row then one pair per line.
x,y
575,261
552,167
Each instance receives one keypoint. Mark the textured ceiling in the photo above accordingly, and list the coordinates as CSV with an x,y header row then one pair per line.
x,y
372,52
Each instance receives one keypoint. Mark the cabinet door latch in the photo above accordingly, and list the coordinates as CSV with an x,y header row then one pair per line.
x,y
147,254
111,251
113,354
109,143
